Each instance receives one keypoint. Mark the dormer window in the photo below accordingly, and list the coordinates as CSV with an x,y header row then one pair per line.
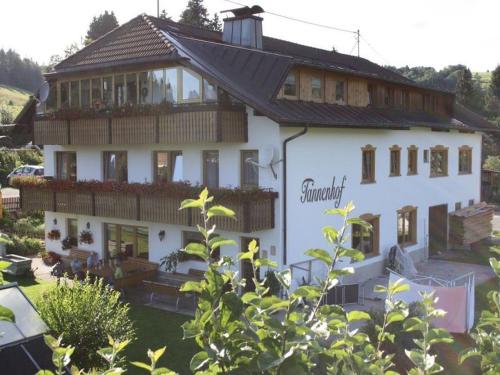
x,y
339,91
290,86
316,87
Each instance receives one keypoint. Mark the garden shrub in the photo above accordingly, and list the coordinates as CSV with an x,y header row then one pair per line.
x,y
28,226
24,246
30,157
85,314
8,161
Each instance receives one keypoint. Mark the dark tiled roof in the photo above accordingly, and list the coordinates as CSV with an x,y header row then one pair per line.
x,y
138,39
464,116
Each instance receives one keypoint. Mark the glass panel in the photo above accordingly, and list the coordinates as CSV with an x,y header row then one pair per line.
x,y
171,85
107,92
250,171
115,166
190,86
64,94
161,166
119,90
211,169
209,92
51,103
142,242
362,239
127,240
290,86
339,91
395,162
85,99
439,162
158,85
111,240
368,165
72,228
132,88
316,90
66,165
177,168
75,94
144,91
96,93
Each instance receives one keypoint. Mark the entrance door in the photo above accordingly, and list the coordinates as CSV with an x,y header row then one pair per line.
x,y
438,228
246,266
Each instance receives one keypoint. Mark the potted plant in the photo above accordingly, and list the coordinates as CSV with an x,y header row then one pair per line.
x,y
54,235
50,258
171,260
69,242
86,237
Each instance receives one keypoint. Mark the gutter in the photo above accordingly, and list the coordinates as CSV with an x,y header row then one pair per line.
x,y
285,144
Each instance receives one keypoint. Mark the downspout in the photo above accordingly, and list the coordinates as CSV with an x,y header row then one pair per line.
x,y
285,143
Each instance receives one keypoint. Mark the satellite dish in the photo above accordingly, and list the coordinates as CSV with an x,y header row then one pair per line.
x,y
43,92
268,159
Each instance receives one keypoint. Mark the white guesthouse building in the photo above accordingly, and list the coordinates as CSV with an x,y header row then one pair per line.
x,y
156,102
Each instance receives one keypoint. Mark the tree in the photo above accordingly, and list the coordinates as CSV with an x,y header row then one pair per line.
x,y
495,82
465,87
6,116
164,15
101,25
196,14
492,163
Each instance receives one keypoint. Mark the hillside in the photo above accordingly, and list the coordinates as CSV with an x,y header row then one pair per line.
x,y
12,99
485,78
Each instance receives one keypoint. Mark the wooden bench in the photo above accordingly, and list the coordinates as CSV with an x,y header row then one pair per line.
x,y
155,287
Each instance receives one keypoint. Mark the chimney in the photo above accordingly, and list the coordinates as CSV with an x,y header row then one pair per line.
x,y
244,28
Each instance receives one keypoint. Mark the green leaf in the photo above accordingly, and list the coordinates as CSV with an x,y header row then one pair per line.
x,y
265,262
336,211
395,316
142,365
246,255
352,253
197,249
307,291
191,286
7,314
163,371
199,360
158,353
495,264
468,353
216,242
321,255
331,234
284,277
252,246
354,316
44,372
191,203
360,222
220,211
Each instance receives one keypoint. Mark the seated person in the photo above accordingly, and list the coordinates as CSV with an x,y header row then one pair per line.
x,y
92,260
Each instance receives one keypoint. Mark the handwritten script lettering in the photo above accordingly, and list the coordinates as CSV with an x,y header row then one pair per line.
x,y
310,193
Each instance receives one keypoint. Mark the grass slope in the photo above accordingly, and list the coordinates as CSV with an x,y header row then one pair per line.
x,y
485,78
13,98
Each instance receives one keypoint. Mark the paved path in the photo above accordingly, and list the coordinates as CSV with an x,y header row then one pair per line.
x,y
496,221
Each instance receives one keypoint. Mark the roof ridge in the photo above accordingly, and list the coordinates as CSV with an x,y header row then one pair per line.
x,y
157,31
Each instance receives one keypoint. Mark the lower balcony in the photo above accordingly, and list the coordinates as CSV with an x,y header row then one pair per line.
x,y
185,124
147,202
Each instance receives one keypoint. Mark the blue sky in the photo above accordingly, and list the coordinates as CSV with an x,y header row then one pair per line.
x,y
425,32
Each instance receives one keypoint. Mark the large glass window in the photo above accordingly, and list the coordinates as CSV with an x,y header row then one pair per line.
x,y
66,166
64,94
407,226
316,87
115,166
107,92
119,90
124,241
132,88
145,96
51,103
171,85
191,85
290,86
211,169
158,86
439,161
75,93
465,160
85,98
96,93
249,169
339,91
168,166
209,92
368,164
72,228
364,239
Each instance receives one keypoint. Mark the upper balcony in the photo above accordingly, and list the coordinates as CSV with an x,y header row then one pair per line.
x,y
164,106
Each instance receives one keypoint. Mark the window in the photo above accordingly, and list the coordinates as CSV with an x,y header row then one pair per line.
x,y
115,166
171,85
290,85
85,93
339,91
366,240
209,92
316,88
64,94
412,160
372,94
96,93
107,92
439,161
75,93
66,166
426,156
458,206
72,228
145,96
126,241
465,160
119,90
191,86
168,166
407,226
51,103
211,169
158,86
395,161
131,88
368,164
249,169
195,237
471,202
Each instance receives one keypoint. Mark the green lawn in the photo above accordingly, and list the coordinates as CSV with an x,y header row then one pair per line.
x,y
13,99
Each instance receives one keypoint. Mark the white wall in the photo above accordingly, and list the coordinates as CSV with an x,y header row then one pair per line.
x,y
323,154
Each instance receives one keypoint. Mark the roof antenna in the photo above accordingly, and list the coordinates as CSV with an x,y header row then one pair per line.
x,y
158,8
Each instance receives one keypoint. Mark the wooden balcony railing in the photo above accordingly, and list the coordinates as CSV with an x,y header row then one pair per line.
x,y
179,125
251,215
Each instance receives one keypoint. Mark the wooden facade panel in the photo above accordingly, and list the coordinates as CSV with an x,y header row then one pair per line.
x,y
37,199
233,126
122,206
163,209
188,127
416,101
133,130
89,131
357,92
51,132
305,85
261,215
74,202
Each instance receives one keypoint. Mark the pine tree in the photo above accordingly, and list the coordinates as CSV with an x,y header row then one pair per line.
x,y
495,82
196,14
101,25
465,88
